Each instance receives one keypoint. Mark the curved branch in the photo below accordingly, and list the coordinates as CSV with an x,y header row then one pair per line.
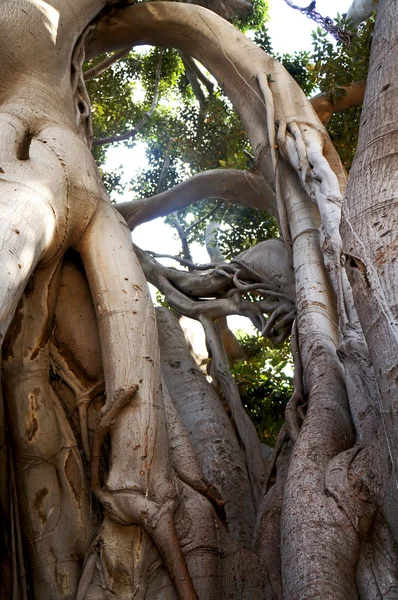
x,y
239,187
226,10
326,105
133,132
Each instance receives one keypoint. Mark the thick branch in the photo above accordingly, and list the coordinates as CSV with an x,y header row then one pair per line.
x,y
325,104
360,10
133,132
239,187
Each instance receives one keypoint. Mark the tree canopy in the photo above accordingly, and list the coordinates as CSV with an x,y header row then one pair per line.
x,y
194,128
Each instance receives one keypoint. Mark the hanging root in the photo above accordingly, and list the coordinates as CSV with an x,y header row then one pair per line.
x,y
83,395
245,428
270,114
301,145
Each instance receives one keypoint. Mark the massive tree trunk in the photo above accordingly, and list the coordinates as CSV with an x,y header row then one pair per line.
x,y
124,473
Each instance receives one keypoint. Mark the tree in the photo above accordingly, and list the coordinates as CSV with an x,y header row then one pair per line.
x,y
122,473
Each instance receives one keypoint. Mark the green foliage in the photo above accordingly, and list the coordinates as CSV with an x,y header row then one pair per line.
x,y
253,19
300,67
246,228
263,384
339,65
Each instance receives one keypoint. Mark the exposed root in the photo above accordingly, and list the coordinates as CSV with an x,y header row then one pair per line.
x,y
87,575
301,145
133,507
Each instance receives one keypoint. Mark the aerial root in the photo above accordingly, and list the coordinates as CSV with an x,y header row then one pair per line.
x,y
263,82
83,395
301,145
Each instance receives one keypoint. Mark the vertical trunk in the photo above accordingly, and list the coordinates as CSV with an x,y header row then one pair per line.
x,y
370,228
209,429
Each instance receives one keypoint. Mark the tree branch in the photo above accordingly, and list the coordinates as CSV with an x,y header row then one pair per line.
x,y
204,218
183,237
105,64
145,118
193,81
163,174
191,65
247,188
326,105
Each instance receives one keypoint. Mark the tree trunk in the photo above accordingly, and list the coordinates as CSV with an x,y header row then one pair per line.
x,y
124,474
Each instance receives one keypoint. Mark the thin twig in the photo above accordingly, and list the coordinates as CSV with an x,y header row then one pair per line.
x,y
145,118
163,174
206,216
184,242
184,261
105,64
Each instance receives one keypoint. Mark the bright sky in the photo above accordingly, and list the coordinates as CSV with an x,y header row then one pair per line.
x,y
290,30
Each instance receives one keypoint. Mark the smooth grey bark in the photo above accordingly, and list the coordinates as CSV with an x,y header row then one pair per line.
x,y
208,427
241,187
